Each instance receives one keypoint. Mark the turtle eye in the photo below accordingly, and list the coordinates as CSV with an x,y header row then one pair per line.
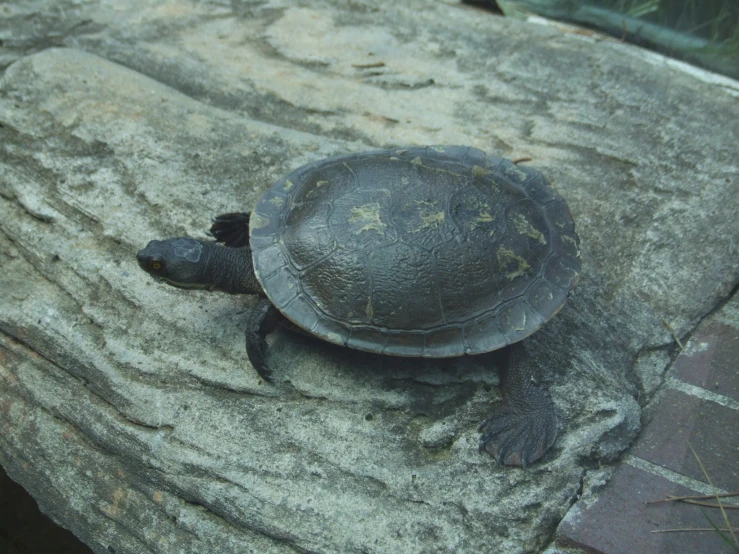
x,y
156,265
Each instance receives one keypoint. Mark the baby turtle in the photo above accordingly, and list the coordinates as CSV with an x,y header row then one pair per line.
x,y
427,251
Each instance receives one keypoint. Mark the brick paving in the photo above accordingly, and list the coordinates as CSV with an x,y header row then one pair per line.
x,y
699,406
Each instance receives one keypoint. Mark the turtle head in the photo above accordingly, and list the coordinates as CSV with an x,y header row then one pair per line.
x,y
180,262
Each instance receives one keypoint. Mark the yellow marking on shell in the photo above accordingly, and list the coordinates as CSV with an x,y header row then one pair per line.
x,y
368,216
574,243
482,175
518,174
485,217
336,338
521,326
478,171
315,190
278,201
482,217
429,215
432,219
257,221
369,310
288,184
506,258
524,227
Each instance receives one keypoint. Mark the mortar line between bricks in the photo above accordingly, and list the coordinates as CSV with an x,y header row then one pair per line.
x,y
703,394
687,482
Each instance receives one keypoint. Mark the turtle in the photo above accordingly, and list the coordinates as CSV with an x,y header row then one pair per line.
x,y
428,251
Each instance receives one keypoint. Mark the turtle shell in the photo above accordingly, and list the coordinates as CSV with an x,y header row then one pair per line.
x,y
427,251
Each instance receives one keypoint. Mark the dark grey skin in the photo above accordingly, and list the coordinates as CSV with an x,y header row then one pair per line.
x,y
516,434
188,263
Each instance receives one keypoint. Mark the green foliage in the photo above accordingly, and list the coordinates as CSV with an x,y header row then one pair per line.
x,y
714,20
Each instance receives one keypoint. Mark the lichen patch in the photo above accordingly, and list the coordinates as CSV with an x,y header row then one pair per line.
x,y
515,173
523,227
512,265
430,216
367,217
478,171
257,221
572,241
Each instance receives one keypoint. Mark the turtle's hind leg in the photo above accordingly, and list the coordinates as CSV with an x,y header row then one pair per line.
x,y
231,229
262,320
521,431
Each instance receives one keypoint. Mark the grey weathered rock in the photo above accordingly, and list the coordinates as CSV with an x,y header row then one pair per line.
x,y
129,410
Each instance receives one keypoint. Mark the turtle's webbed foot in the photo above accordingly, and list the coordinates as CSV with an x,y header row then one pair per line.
x,y
231,229
520,432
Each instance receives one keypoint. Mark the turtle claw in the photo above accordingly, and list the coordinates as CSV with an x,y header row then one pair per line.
x,y
265,373
261,366
520,434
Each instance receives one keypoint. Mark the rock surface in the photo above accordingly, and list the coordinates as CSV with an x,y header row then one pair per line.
x,y
128,409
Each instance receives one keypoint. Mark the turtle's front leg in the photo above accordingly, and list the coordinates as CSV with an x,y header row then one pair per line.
x,y
521,431
231,229
261,321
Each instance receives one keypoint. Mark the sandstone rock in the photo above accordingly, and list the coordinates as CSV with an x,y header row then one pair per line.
x,y
128,409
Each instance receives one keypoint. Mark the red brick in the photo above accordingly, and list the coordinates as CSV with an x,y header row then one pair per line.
x,y
714,367
621,521
712,430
